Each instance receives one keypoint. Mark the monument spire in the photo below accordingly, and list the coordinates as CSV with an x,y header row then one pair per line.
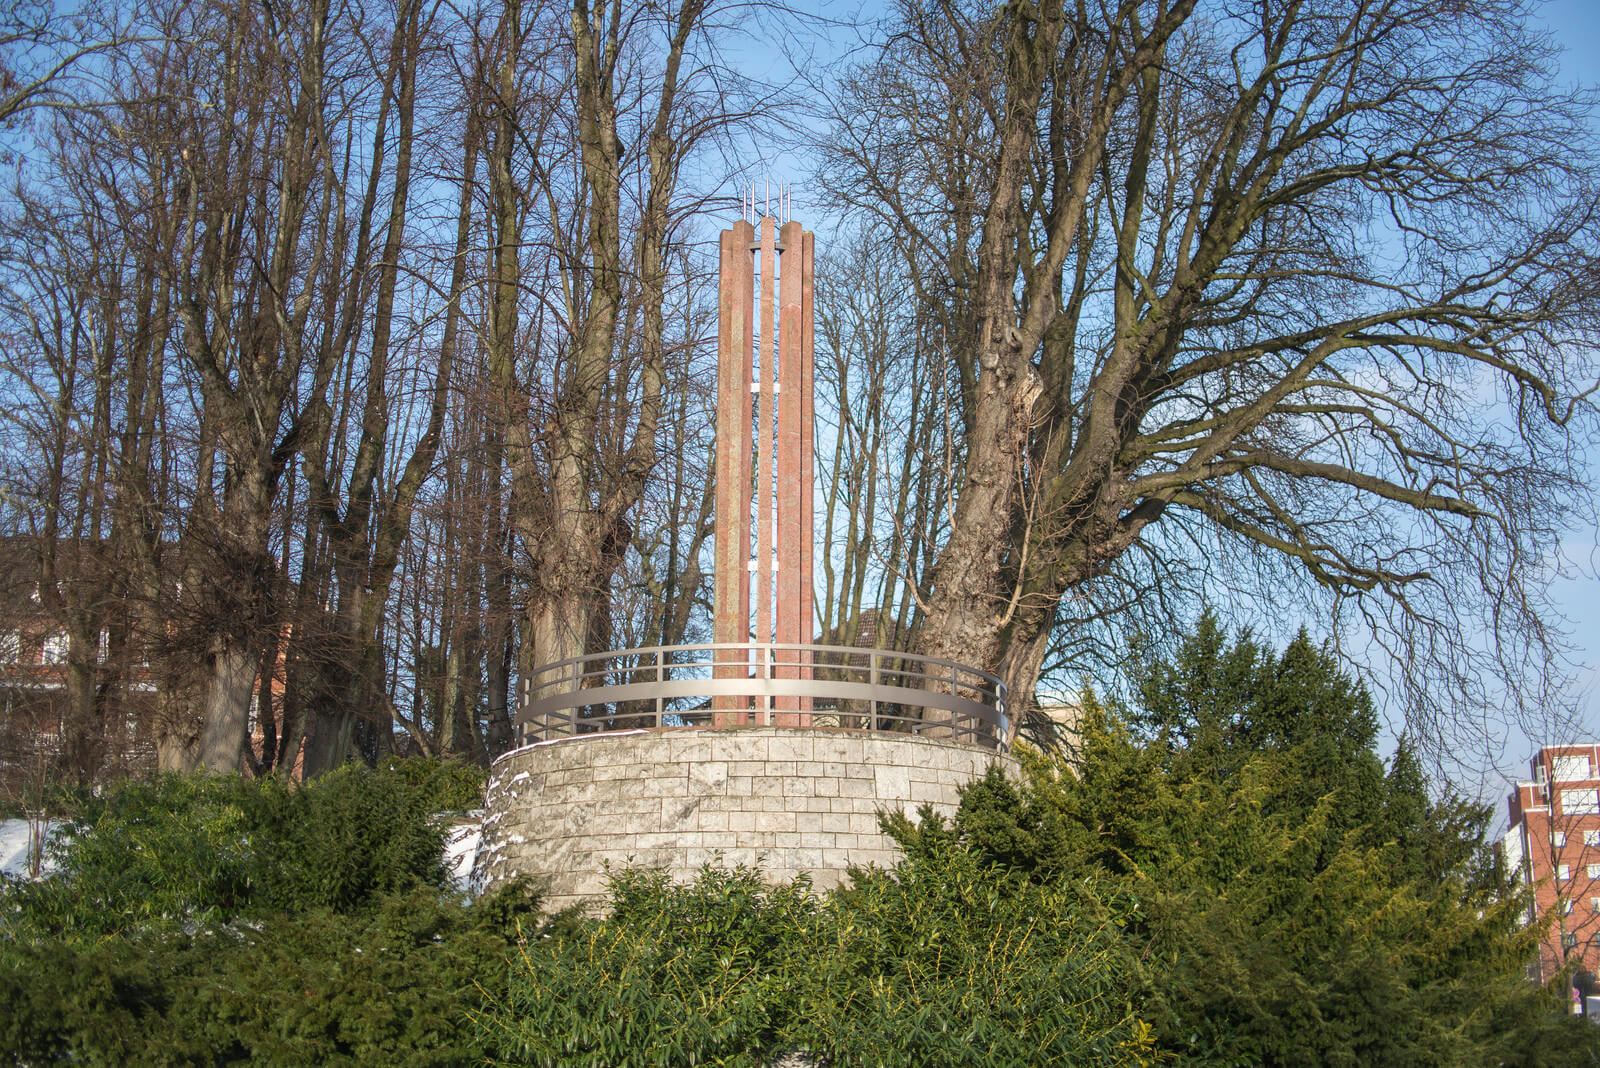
x,y
765,445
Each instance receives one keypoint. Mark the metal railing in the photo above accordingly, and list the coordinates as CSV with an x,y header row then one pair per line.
x,y
757,684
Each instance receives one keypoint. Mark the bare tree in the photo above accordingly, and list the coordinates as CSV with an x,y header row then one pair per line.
x,y
304,261
46,54
1305,287
587,367
369,531
886,411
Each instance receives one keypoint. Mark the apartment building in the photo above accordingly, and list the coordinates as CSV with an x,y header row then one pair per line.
x,y
1554,842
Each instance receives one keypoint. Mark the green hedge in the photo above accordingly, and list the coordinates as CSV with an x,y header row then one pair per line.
x,y
219,920
394,983
186,852
943,961
1195,897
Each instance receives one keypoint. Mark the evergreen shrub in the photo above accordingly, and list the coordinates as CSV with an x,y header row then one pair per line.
x,y
942,961
221,921
191,851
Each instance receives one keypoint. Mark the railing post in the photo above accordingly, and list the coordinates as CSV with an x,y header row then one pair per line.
x,y
661,656
955,673
872,678
572,713
767,675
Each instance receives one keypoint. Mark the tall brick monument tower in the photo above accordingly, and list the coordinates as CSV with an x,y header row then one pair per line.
x,y
759,748
769,269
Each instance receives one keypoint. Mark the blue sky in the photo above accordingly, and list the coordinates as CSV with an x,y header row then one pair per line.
x,y
1576,26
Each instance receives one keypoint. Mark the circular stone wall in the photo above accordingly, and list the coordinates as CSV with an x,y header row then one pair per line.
x,y
788,799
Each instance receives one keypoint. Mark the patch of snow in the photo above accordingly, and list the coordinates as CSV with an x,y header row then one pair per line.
x,y
568,738
14,847
461,849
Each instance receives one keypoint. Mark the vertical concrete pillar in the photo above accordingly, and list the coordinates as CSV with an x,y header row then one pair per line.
x,y
806,521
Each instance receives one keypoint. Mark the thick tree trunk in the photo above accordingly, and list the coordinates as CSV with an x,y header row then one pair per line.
x,y
84,744
966,609
999,576
226,706
561,604
584,531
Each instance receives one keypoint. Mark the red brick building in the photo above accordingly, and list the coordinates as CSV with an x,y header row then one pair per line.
x,y
47,736
72,707
1554,841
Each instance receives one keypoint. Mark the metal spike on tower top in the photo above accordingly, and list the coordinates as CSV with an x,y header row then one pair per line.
x,y
763,202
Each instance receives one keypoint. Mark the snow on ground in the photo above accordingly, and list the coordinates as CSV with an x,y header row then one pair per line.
x,y
461,848
14,848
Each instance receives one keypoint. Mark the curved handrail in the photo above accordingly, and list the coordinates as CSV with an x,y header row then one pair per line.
x,y
731,684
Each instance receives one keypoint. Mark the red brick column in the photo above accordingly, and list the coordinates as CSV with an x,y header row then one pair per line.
x,y
731,594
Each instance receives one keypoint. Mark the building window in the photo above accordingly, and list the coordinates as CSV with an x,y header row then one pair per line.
x,y
1593,871
10,647
1563,872
1580,802
1570,767
54,649
1566,906
1594,904
1558,839
1591,838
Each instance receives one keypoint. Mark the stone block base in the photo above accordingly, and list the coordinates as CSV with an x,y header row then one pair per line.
x,y
789,800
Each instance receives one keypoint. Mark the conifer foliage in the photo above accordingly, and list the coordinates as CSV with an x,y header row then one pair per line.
x,y
944,961
1223,873
227,921
1297,902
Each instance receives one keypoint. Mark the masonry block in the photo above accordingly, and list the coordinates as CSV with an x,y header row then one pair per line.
x,y
807,859
744,745
892,784
708,776
797,786
858,788
775,821
790,746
